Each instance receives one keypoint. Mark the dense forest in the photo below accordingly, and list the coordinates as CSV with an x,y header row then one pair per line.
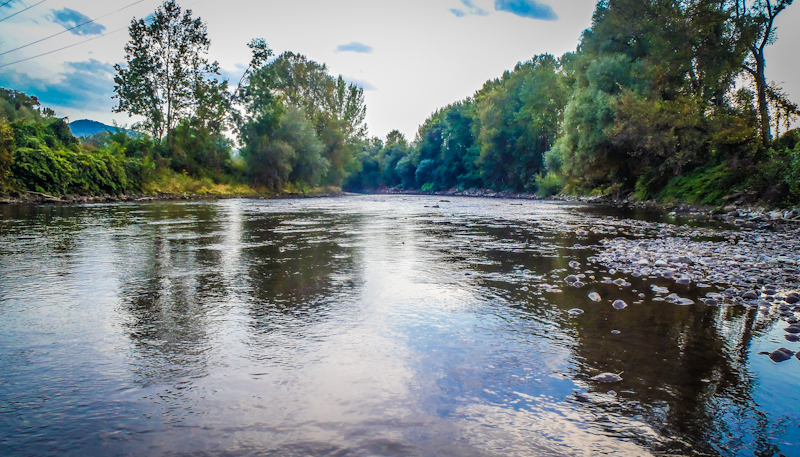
x,y
662,99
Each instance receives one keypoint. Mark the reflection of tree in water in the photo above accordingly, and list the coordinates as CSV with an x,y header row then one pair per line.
x,y
685,369
301,269
170,288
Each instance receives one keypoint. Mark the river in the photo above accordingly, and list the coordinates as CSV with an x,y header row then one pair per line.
x,y
377,325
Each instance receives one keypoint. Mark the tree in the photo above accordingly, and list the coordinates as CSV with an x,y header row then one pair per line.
x,y
6,153
757,22
167,76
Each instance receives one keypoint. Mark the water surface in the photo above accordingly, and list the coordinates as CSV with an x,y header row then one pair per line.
x,y
369,325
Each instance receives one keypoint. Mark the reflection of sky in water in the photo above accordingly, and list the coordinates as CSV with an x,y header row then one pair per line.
x,y
365,326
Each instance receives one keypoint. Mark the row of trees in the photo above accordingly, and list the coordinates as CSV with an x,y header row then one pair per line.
x,y
658,92
296,124
662,98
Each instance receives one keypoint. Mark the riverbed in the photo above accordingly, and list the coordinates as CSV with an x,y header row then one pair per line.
x,y
393,326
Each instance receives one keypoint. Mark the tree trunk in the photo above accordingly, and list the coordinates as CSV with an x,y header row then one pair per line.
x,y
761,88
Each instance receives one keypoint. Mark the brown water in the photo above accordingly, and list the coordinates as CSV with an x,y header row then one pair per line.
x,y
367,326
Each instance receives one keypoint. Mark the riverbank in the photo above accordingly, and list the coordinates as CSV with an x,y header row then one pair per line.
x,y
39,198
738,212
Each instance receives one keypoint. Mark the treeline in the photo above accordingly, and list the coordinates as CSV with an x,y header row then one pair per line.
x,y
663,99
297,126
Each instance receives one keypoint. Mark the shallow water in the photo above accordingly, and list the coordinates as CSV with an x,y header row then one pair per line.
x,y
371,325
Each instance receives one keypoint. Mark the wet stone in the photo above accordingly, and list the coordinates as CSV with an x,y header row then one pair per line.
x,y
594,296
781,355
620,304
792,337
607,378
750,295
575,311
571,279
794,328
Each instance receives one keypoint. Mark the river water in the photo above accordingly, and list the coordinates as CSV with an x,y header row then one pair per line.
x,y
374,326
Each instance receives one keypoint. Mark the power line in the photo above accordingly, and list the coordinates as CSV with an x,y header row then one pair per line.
x,y
21,11
72,45
72,28
65,47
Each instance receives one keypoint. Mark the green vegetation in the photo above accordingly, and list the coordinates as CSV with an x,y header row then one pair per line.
x,y
647,107
663,99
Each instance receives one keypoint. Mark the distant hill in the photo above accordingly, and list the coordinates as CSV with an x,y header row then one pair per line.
x,y
86,127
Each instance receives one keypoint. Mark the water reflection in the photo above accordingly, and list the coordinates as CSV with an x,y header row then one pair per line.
x,y
367,326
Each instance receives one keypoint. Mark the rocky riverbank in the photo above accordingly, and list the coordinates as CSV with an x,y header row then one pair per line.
x,y
38,198
740,213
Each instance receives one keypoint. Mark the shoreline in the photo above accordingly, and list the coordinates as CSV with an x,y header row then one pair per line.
x,y
744,215
38,198
737,213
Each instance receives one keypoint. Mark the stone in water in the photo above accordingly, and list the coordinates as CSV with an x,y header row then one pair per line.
x,y
781,355
607,377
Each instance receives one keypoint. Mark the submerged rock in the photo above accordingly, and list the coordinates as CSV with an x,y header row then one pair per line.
x,y
571,279
750,295
794,328
781,355
607,377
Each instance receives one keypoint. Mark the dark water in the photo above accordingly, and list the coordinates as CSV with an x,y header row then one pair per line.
x,y
364,326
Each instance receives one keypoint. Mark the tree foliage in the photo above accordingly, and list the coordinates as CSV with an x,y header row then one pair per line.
x,y
167,77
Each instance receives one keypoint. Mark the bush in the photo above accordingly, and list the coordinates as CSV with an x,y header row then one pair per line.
x,y
549,184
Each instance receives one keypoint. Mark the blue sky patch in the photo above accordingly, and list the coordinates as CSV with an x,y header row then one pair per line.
x,y
355,46
527,8
70,18
471,9
84,85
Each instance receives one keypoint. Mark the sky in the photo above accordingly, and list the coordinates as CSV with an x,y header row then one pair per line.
x,y
411,57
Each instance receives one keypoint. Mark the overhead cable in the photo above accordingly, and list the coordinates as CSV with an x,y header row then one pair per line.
x,y
65,47
71,28
22,11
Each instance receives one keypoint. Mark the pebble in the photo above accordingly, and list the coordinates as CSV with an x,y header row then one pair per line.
x,y
750,295
792,337
619,304
575,311
594,296
794,328
607,378
571,279
615,332
781,355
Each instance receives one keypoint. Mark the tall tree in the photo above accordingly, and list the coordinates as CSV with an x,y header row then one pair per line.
x,y
757,20
167,76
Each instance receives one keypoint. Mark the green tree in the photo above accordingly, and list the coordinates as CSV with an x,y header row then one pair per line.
x,y
757,22
166,76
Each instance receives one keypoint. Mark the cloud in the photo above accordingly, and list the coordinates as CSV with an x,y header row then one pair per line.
x,y
86,85
360,83
70,18
472,9
360,48
526,8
